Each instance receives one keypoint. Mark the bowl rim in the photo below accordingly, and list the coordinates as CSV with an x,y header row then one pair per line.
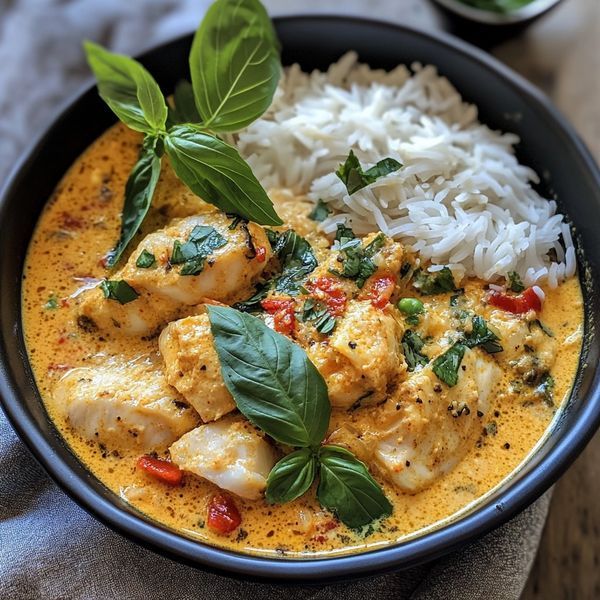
x,y
536,8
483,519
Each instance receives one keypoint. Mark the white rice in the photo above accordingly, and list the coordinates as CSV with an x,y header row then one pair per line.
x,y
461,198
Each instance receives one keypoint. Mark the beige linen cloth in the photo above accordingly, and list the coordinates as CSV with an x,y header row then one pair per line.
x,y
51,548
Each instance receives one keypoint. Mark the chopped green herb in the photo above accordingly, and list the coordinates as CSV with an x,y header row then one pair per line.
x,y
455,298
354,178
252,304
51,303
411,306
516,285
317,311
272,236
405,270
412,320
412,344
541,325
357,261
546,389
447,364
118,290
491,428
145,260
202,242
297,259
320,212
438,282
482,335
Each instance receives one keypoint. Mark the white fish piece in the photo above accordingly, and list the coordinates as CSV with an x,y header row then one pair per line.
x,y
124,405
230,453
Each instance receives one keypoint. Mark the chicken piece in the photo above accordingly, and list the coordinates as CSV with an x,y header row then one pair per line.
x,y
124,405
231,267
362,358
192,366
428,427
230,453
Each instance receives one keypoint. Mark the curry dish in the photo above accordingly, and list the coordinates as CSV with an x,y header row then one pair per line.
x,y
134,384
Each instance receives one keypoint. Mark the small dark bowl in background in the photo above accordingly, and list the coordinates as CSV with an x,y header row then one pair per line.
x,y
505,101
486,28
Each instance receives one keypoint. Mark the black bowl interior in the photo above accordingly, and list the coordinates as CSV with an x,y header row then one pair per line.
x,y
506,102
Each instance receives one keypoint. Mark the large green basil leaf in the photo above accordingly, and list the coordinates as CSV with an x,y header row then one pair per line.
x,y
271,379
234,63
216,172
291,476
348,490
128,89
139,190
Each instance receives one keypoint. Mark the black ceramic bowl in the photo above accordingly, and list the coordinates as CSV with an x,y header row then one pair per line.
x,y
549,145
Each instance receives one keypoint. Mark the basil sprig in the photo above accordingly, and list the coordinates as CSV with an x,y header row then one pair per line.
x,y
235,70
277,388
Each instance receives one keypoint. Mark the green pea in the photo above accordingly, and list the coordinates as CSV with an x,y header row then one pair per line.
x,y
411,306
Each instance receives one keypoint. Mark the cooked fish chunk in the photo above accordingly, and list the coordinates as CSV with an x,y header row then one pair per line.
x,y
362,357
236,258
427,428
124,405
192,366
232,265
142,317
230,453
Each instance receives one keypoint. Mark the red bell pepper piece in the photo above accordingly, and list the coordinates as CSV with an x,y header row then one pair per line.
x,y
522,303
160,469
223,515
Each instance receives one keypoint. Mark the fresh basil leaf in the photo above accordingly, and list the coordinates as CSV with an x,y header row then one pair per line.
x,y
344,234
320,212
412,344
516,283
271,379
216,172
202,242
184,110
118,290
234,63
447,364
347,489
145,260
139,191
297,259
438,282
291,477
481,335
354,178
128,89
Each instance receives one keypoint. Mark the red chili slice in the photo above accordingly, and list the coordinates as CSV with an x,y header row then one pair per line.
x,y
223,515
282,310
160,469
328,291
261,253
380,290
523,303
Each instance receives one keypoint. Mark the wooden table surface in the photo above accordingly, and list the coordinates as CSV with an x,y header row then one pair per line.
x,y
561,54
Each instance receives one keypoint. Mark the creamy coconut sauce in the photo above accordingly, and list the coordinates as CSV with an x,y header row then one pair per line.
x,y
81,222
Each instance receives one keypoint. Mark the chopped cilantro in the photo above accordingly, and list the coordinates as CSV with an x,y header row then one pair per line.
x,y
145,260
118,290
438,282
412,344
320,212
516,284
354,178
482,335
202,242
316,311
447,364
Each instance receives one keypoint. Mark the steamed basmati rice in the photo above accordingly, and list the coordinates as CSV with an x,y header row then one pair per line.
x,y
461,198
